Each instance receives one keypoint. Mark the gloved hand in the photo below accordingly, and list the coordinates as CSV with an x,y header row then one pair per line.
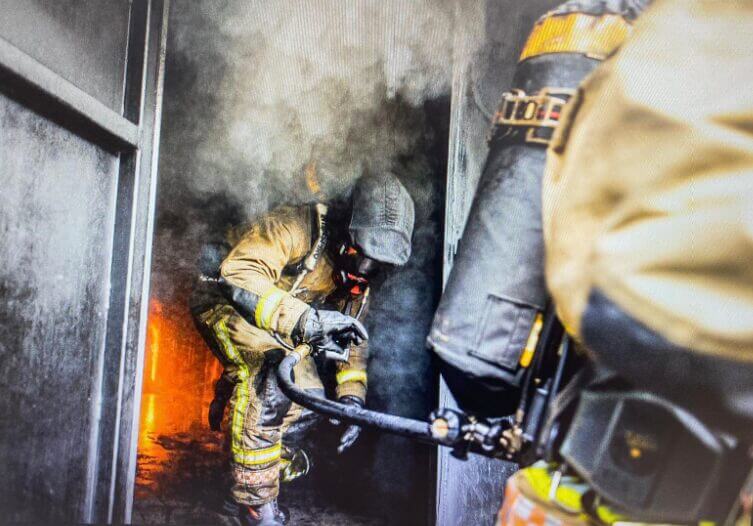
x,y
351,434
223,390
330,331
216,413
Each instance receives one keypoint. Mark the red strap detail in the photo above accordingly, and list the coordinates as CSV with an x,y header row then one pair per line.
x,y
254,514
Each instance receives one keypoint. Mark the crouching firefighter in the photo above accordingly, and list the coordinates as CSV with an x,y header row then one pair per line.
x,y
295,276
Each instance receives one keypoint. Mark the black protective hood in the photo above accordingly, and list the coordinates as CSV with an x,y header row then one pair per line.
x,y
382,220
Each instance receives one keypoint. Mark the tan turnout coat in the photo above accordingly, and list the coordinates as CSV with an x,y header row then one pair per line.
x,y
260,255
648,192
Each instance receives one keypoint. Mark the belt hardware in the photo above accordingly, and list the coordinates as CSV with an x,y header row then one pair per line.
x,y
537,116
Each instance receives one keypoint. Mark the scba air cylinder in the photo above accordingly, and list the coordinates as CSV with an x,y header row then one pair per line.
x,y
486,327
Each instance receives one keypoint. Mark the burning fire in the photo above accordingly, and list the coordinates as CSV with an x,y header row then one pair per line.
x,y
179,378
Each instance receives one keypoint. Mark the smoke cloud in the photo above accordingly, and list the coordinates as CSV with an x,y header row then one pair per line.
x,y
298,82
257,91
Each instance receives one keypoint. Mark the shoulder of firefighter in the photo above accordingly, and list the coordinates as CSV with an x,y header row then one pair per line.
x,y
646,205
256,262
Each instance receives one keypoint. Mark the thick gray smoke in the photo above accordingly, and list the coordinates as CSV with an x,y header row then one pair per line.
x,y
296,83
270,102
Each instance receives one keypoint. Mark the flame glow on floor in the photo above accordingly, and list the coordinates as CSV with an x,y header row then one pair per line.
x,y
178,375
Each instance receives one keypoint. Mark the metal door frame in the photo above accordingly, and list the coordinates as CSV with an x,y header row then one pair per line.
x,y
133,135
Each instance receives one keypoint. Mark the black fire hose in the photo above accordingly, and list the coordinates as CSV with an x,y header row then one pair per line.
x,y
396,425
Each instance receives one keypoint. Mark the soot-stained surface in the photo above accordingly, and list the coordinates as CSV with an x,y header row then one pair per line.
x,y
54,289
182,481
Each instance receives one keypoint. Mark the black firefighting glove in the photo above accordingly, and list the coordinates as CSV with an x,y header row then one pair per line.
x,y
351,434
223,390
216,413
329,331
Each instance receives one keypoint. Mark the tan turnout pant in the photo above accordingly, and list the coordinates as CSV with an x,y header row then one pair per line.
x,y
258,412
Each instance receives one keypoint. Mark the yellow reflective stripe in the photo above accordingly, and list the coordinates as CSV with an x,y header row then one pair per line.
x,y
533,339
568,493
221,330
590,35
267,306
241,390
253,457
223,334
351,375
607,516
241,455
239,415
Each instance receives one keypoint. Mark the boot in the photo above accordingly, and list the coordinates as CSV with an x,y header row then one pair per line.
x,y
268,514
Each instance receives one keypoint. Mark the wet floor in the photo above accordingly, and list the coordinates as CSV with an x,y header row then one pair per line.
x,y
181,481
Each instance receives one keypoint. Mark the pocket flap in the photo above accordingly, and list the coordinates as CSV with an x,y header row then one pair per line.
x,y
504,331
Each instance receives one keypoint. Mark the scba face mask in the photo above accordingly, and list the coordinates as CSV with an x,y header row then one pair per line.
x,y
354,268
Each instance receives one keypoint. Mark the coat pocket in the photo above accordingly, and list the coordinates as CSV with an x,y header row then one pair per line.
x,y
504,331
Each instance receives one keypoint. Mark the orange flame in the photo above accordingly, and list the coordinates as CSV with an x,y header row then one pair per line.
x,y
178,383
153,346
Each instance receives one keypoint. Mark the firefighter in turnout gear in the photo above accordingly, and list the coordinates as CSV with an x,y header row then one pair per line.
x,y
647,226
294,276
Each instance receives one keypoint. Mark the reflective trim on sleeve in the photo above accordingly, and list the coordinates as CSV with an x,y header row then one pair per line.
x,y
594,36
351,375
267,307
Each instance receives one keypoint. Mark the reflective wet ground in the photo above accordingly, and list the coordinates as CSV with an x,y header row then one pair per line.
x,y
181,481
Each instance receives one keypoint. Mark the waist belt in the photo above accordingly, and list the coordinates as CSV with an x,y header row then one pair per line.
x,y
530,118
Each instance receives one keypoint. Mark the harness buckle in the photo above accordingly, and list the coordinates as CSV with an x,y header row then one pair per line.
x,y
535,117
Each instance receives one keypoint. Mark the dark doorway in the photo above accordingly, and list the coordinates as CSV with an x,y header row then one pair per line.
x,y
225,160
